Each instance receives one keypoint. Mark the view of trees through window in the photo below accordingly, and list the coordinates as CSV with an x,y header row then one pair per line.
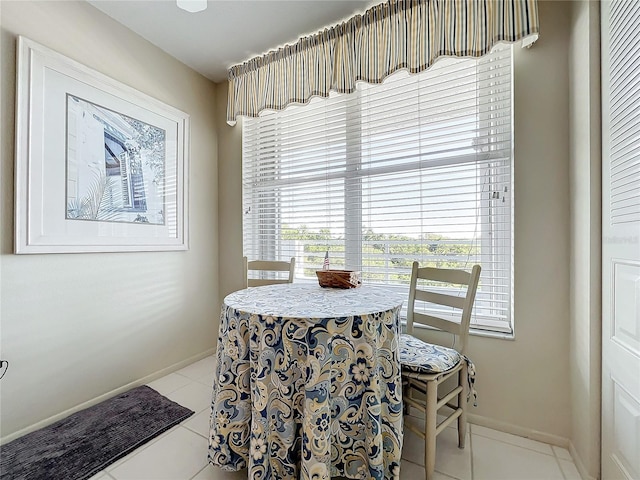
x,y
385,257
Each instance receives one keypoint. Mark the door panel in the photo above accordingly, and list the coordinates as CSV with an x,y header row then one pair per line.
x,y
626,306
626,431
620,27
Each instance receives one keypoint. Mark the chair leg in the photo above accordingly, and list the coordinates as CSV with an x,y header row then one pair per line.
x,y
406,390
462,403
430,423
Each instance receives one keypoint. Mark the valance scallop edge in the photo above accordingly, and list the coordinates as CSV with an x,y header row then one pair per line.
x,y
395,35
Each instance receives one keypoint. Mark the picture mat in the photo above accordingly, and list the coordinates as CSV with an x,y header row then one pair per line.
x,y
44,80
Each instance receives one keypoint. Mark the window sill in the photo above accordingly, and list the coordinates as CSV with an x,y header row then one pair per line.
x,y
476,332
491,334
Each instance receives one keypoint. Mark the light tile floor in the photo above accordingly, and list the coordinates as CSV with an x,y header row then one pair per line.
x,y
181,452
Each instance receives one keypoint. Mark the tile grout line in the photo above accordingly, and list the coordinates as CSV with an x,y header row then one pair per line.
x,y
138,450
197,433
552,454
200,471
471,449
558,463
183,424
144,447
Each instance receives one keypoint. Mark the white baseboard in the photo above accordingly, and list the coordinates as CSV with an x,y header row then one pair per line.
x,y
582,470
517,430
523,432
112,393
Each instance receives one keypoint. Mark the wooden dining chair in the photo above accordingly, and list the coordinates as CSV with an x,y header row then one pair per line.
x,y
425,366
269,272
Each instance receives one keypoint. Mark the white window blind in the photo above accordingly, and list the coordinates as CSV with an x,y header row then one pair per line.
x,y
625,113
415,168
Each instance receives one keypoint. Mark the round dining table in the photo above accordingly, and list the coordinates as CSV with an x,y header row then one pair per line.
x,y
307,383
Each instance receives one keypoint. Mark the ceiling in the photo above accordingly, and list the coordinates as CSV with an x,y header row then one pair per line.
x,y
227,32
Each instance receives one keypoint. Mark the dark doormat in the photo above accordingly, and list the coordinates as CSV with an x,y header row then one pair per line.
x,y
80,445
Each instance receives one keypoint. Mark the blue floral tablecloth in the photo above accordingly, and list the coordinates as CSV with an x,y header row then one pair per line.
x,y
308,383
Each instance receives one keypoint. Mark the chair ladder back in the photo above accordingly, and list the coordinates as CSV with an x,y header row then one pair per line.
x,y
465,320
268,266
440,299
462,303
245,271
258,282
445,275
412,297
438,322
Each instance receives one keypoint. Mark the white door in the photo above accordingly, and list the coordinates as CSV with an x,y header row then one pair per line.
x,y
620,27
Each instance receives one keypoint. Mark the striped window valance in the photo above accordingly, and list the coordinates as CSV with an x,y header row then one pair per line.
x,y
398,34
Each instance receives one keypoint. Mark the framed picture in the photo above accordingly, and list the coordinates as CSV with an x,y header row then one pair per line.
x,y
100,166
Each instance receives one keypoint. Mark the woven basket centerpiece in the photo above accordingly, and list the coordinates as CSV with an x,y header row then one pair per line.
x,y
338,278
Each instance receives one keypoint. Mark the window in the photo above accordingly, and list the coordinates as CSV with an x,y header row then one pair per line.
x,y
415,168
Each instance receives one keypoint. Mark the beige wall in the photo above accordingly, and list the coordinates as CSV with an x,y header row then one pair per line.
x,y
585,273
525,382
230,200
523,385
78,326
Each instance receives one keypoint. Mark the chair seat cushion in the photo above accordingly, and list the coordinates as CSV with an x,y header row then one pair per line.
x,y
422,357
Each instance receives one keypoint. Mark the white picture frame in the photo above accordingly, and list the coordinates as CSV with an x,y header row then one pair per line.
x,y
99,166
